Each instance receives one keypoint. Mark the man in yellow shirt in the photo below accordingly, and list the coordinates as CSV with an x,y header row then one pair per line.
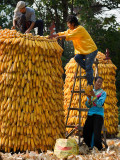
x,y
85,48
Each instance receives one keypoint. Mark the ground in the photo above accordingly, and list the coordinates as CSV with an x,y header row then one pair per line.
x,y
112,153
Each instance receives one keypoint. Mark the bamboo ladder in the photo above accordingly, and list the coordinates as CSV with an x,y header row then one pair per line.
x,y
79,127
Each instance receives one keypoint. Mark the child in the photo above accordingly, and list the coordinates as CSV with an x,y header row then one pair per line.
x,y
93,125
85,48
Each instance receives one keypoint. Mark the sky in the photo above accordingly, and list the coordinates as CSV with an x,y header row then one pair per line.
x,y
105,13
109,13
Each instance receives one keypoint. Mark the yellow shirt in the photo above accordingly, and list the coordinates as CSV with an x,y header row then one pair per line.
x,y
82,41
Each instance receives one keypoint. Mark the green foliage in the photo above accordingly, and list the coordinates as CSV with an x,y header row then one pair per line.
x,y
14,2
3,18
53,10
68,52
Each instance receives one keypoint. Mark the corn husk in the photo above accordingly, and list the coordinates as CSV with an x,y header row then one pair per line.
x,y
112,153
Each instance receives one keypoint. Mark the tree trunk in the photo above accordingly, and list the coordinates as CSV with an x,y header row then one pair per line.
x,y
65,13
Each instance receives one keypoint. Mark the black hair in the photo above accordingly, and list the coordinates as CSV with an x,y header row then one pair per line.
x,y
72,19
96,78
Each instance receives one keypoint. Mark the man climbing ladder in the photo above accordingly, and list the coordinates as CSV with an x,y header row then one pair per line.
x,y
85,48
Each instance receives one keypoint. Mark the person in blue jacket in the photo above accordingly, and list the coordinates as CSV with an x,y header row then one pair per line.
x,y
95,119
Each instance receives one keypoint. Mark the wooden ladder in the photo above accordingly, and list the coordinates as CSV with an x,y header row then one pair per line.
x,y
79,127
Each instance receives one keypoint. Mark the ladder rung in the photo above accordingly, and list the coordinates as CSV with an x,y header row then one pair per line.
x,y
96,62
79,109
81,77
73,126
104,129
82,91
81,128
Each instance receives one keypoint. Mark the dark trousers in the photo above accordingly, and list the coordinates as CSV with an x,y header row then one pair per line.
x,y
86,62
23,25
93,126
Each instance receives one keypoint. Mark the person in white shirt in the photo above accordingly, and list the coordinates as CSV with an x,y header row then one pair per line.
x,y
25,20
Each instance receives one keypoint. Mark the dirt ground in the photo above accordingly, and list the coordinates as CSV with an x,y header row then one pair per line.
x,y
111,153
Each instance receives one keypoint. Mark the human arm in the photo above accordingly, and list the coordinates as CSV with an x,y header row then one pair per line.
x,y
93,94
88,102
30,28
30,12
13,27
61,37
53,35
58,35
16,16
75,34
99,101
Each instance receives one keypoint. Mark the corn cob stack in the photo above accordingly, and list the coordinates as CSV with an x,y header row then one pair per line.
x,y
107,70
31,95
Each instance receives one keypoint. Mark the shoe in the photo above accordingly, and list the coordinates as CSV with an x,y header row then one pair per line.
x,y
84,75
103,149
90,148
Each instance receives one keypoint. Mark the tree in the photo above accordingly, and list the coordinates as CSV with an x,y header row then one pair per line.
x,y
54,10
104,31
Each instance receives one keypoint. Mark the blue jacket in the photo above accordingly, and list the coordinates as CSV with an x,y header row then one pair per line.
x,y
97,105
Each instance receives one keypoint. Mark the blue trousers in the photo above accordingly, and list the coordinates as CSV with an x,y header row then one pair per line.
x,y
86,62
23,25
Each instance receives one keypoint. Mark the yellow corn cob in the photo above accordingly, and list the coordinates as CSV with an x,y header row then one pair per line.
x,y
28,86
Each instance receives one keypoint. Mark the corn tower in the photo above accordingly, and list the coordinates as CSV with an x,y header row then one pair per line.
x,y
107,70
31,92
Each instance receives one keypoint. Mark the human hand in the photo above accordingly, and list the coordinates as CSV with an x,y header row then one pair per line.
x,y
51,37
92,93
60,37
89,97
13,27
57,37
27,31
